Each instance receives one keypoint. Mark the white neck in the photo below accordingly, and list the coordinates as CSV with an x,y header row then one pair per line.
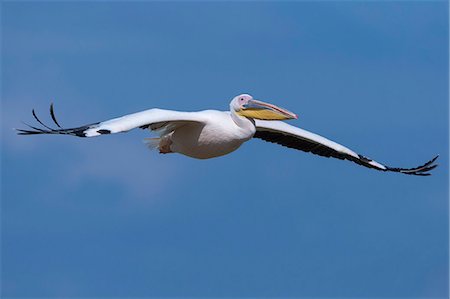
x,y
245,124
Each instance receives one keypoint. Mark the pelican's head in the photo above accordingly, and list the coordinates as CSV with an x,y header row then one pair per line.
x,y
245,105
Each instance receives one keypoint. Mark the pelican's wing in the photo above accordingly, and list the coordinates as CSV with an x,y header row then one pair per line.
x,y
293,137
153,119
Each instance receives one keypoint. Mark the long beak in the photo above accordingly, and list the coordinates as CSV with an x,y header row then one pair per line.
x,y
261,110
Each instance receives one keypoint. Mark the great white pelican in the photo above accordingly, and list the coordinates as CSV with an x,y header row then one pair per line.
x,y
211,133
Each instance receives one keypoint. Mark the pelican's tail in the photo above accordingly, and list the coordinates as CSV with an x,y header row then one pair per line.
x,y
152,143
161,143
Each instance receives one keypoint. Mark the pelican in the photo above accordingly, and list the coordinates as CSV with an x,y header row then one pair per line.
x,y
210,133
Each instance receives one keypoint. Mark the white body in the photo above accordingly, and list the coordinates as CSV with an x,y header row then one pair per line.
x,y
216,136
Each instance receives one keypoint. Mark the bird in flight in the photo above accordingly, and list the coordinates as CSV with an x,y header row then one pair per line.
x,y
211,133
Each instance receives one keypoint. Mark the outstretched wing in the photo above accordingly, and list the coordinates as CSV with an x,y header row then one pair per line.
x,y
152,119
286,135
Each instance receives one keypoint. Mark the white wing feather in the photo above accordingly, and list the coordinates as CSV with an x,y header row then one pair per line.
x,y
125,123
143,118
293,137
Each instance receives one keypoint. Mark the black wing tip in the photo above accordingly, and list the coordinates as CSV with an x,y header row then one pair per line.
x,y
52,114
31,130
435,158
27,132
423,170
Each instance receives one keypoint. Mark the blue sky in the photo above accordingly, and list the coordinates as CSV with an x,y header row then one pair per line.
x,y
106,217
